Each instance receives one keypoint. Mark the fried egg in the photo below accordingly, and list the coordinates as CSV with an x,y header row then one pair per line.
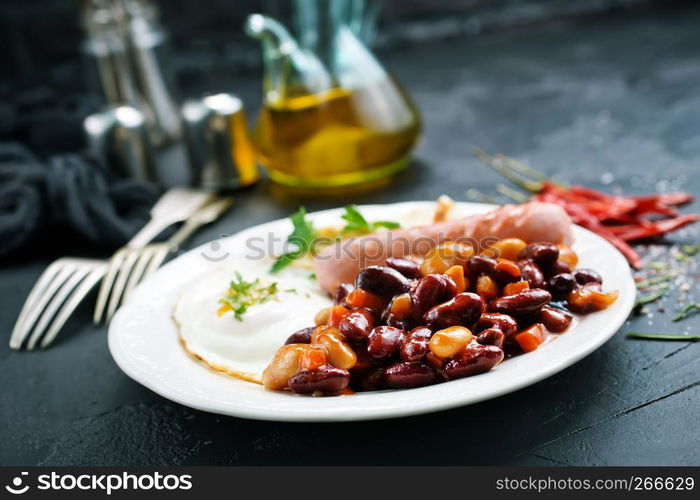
x,y
243,348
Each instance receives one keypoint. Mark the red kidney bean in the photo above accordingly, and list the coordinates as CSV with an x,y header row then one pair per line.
x,y
463,309
542,252
554,320
373,380
408,268
431,290
502,322
557,267
491,336
400,323
523,303
584,276
382,280
531,273
481,264
302,336
341,293
325,379
415,346
356,325
503,272
474,359
560,285
384,342
404,375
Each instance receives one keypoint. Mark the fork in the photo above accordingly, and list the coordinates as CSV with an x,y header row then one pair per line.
x,y
66,282
139,264
181,205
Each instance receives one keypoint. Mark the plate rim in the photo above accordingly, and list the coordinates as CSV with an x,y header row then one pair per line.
x,y
311,413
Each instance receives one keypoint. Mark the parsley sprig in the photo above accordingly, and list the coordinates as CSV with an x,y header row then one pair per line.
x,y
305,237
243,294
302,237
355,223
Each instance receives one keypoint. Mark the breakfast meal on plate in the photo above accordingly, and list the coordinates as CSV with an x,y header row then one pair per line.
x,y
410,306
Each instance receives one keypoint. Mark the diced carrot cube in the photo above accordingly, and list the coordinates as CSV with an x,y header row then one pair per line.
x,y
532,337
336,315
359,298
515,287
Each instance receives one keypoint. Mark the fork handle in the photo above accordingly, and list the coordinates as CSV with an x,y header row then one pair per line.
x,y
204,216
148,232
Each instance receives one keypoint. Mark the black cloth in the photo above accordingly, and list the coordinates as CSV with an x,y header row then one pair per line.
x,y
67,191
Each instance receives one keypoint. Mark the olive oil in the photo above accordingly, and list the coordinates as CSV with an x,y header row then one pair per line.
x,y
337,138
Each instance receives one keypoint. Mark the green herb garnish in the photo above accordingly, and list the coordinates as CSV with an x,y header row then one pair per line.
x,y
355,222
302,237
651,297
243,294
687,311
690,250
655,280
658,265
662,336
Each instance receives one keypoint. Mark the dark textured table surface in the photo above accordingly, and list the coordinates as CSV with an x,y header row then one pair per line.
x,y
611,101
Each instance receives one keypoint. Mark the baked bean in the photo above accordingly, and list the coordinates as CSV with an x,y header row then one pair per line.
x,y
491,336
523,303
405,375
507,248
382,280
302,336
430,291
340,354
542,252
323,316
449,341
554,320
415,346
341,293
283,366
356,326
463,309
487,288
401,306
560,285
408,268
502,322
324,380
584,276
441,258
474,359
507,271
384,342
502,270
531,273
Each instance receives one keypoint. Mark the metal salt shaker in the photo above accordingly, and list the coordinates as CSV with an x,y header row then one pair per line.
x,y
220,149
118,138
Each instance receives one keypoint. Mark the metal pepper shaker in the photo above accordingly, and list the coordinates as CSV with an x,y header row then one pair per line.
x,y
218,143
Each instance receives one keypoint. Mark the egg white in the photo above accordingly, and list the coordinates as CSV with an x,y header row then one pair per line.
x,y
244,348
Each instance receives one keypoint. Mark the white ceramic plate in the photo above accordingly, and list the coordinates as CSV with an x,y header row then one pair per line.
x,y
144,342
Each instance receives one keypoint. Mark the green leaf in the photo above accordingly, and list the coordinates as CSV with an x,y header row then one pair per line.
x,y
302,235
356,223
386,224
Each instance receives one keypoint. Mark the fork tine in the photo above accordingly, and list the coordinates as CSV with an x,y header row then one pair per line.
x,y
147,253
49,311
156,261
72,303
123,274
107,283
41,284
37,306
